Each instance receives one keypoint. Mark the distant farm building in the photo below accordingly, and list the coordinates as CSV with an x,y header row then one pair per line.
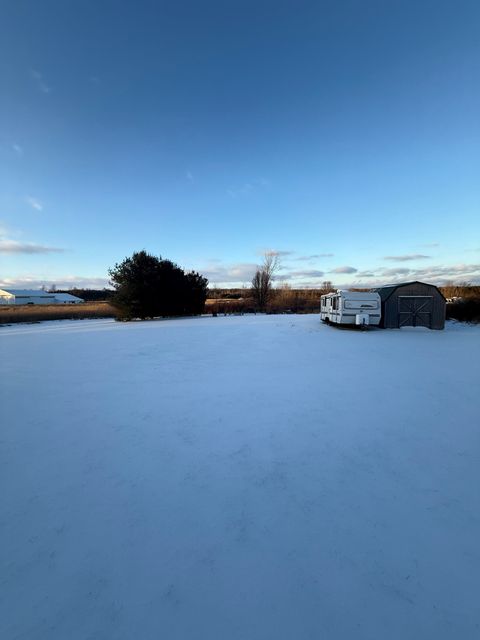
x,y
412,304
35,296
26,296
66,298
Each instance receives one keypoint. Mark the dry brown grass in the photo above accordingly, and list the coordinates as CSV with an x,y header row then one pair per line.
x,y
284,300
226,306
35,313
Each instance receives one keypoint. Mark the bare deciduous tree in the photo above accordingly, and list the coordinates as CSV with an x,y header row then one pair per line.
x,y
326,287
262,282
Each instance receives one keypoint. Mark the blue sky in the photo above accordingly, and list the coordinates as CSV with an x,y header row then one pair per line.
x,y
343,134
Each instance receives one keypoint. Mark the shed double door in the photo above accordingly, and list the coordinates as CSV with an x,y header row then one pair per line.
x,y
415,311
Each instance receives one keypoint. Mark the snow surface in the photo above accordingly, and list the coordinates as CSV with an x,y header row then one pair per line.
x,y
248,478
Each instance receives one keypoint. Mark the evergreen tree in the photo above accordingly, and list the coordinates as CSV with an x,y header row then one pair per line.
x,y
148,287
197,288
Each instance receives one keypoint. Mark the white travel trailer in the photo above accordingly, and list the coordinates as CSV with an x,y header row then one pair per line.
x,y
351,307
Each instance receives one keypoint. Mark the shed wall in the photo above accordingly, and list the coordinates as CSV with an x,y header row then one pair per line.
x,y
390,307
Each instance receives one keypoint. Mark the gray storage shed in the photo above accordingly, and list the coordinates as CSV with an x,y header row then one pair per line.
x,y
412,304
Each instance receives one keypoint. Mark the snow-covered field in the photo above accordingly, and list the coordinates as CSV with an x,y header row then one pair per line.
x,y
248,478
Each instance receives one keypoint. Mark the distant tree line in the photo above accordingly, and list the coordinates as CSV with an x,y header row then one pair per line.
x,y
89,295
463,302
147,286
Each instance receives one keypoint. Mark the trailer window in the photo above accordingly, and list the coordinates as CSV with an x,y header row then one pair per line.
x,y
361,304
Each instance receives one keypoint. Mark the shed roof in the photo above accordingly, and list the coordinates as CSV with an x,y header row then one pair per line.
x,y
386,291
67,297
37,293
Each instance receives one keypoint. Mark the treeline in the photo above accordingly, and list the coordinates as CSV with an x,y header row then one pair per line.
x,y
466,310
89,295
463,302
460,291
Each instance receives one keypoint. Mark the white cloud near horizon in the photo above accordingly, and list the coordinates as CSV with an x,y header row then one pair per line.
x,y
435,274
234,274
62,282
240,274
237,275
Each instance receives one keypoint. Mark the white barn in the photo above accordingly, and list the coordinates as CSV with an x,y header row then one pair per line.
x,y
26,296
36,296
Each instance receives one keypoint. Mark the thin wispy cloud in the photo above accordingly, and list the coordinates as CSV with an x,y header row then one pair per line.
x,y
9,245
244,190
395,271
4,231
275,252
39,81
34,203
312,273
190,176
18,149
315,256
429,244
407,257
13,246
247,188
344,269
